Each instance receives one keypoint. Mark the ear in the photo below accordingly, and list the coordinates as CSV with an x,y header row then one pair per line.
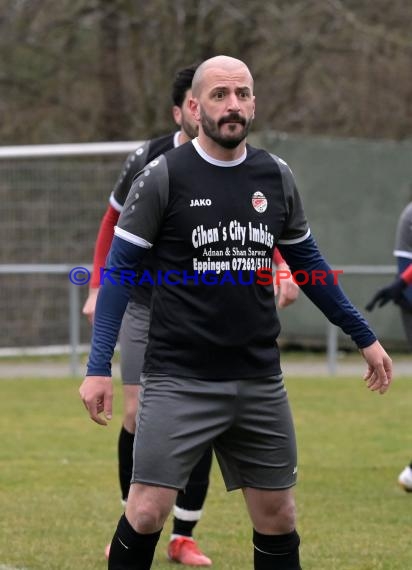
x,y
177,115
194,108
254,107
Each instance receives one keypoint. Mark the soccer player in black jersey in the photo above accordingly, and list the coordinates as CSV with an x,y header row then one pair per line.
x,y
133,334
214,210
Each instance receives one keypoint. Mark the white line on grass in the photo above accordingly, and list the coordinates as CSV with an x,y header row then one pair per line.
x,y
5,567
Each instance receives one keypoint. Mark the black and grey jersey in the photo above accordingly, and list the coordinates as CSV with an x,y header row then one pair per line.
x,y
214,226
134,163
403,240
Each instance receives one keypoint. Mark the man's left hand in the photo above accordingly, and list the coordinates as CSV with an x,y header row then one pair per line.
x,y
378,377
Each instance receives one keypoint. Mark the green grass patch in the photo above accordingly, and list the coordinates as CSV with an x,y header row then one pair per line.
x,y
59,498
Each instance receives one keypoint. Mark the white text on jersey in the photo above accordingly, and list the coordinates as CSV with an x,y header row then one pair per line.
x,y
201,202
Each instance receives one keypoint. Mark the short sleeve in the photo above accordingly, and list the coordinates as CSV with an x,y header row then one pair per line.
x,y
134,163
142,215
296,228
403,240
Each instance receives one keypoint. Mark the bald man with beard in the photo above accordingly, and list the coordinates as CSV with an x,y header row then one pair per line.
x,y
212,373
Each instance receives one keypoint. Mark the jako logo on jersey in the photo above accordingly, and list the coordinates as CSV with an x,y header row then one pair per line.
x,y
201,202
259,202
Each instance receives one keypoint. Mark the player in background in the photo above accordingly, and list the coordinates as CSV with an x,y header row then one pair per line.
x,y
400,292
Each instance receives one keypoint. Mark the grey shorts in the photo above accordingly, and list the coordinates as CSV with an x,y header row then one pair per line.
x,y
248,422
133,341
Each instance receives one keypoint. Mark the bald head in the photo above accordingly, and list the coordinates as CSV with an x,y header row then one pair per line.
x,y
219,66
223,104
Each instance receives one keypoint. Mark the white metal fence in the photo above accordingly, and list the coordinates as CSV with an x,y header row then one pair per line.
x,y
74,320
52,198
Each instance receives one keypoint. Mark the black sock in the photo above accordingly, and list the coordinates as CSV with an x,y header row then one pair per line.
x,y
276,552
131,550
192,498
125,455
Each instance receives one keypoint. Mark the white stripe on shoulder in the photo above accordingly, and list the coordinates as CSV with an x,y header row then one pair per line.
x,y
402,253
115,204
296,240
131,238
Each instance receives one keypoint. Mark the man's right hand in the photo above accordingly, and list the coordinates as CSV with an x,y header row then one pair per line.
x,y
285,289
90,305
97,395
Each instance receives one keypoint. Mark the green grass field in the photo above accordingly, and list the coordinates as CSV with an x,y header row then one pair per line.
x,y
59,498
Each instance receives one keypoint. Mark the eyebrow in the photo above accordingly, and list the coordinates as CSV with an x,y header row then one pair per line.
x,y
224,88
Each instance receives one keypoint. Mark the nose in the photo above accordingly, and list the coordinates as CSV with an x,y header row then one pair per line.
x,y
233,103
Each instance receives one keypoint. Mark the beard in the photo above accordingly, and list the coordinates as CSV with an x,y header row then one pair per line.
x,y
230,140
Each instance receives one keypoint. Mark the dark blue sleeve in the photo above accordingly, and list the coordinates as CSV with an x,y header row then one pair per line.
x,y
326,293
115,283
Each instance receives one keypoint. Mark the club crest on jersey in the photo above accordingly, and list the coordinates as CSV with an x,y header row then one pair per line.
x,y
259,202
201,202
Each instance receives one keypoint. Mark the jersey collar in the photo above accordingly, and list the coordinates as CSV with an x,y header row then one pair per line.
x,y
176,142
208,158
